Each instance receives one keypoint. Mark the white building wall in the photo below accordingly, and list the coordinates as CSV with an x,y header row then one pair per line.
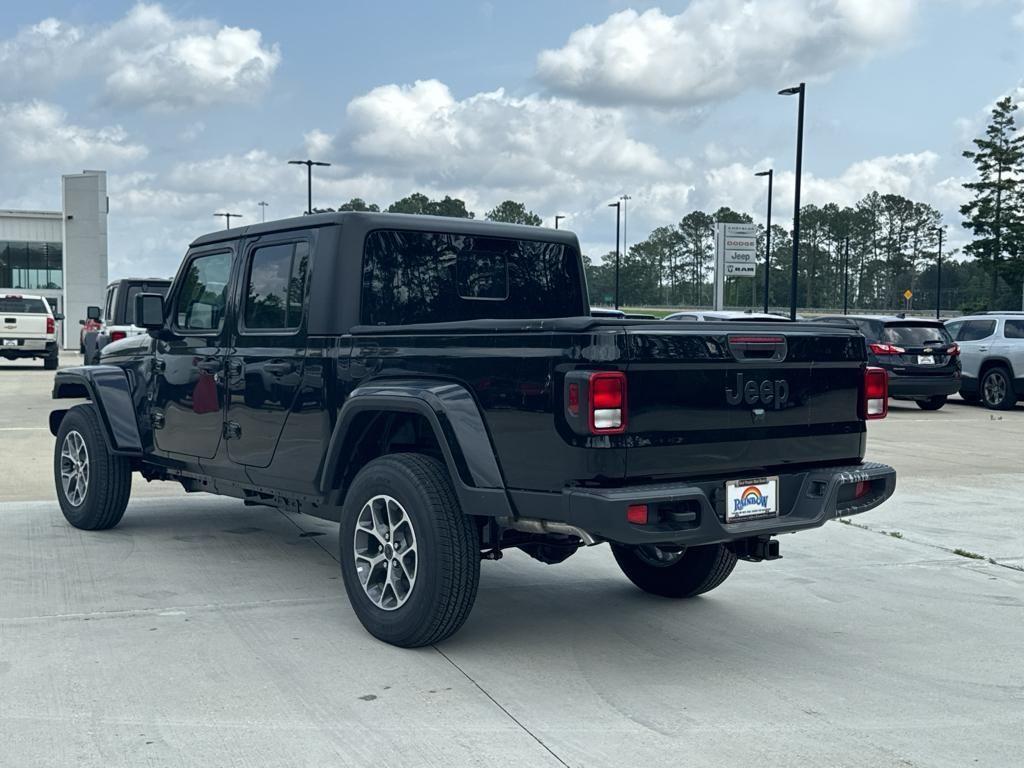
x,y
31,226
85,204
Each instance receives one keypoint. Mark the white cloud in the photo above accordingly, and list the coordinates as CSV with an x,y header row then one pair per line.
x,y
36,132
148,58
715,49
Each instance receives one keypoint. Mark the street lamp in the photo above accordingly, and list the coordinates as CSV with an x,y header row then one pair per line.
x,y
625,221
938,278
798,90
228,217
770,173
263,209
617,205
309,180
846,276
557,219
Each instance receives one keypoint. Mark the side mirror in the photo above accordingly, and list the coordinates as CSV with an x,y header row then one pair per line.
x,y
149,311
81,322
92,313
58,315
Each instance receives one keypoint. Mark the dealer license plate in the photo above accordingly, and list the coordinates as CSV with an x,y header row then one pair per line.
x,y
10,342
751,499
926,359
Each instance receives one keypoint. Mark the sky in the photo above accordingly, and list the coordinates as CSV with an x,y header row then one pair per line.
x,y
194,108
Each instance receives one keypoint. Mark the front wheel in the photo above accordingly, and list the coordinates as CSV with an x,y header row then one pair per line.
x,y
93,484
997,389
932,403
675,571
410,558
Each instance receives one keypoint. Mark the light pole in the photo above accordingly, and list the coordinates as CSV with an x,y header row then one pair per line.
x,y
617,205
557,219
625,221
770,173
263,209
938,279
228,217
794,91
309,180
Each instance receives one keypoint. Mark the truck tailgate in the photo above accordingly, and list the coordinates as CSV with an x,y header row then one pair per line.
x,y
22,325
741,398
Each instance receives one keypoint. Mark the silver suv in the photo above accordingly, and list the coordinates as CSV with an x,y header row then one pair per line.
x,y
992,353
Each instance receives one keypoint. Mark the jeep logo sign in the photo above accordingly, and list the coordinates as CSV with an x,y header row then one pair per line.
x,y
766,392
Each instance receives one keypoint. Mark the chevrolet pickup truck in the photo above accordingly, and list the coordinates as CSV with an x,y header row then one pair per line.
x,y
28,328
439,388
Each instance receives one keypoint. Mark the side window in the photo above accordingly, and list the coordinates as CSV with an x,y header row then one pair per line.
x,y
1013,329
203,297
953,329
108,310
976,330
276,288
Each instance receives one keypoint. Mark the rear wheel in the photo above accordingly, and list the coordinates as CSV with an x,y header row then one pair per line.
x,y
50,361
93,485
410,558
997,389
932,403
675,571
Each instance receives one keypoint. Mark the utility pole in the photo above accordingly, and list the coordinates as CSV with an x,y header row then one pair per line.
x,y
263,209
770,173
617,205
799,90
846,276
938,279
625,221
558,218
228,217
309,180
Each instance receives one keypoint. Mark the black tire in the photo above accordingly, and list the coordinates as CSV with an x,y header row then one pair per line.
x,y
447,552
109,479
50,362
997,389
696,571
932,403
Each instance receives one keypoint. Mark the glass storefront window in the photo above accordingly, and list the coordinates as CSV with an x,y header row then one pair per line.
x,y
31,266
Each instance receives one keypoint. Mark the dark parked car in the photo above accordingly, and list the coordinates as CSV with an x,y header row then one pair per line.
x,y
440,387
920,356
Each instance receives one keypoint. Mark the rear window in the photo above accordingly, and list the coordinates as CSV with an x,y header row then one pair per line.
x,y
434,277
975,330
17,306
915,335
1014,329
135,290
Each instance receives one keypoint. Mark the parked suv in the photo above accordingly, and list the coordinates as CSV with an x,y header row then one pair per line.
x,y
28,328
117,317
992,354
921,357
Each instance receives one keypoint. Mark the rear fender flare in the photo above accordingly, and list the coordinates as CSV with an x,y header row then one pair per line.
x,y
458,427
109,392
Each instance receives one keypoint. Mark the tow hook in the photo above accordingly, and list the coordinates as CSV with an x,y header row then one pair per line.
x,y
757,549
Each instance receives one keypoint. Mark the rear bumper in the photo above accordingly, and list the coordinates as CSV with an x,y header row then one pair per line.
x,y
694,513
923,386
29,348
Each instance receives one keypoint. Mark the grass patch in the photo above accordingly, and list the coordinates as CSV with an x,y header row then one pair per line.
x,y
968,553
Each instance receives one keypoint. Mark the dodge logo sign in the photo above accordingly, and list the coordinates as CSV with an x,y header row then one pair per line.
x,y
766,392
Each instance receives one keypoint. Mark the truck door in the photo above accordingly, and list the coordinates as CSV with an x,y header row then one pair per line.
x,y
188,416
268,346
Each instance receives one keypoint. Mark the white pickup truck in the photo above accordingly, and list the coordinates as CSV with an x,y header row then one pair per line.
x,y
28,328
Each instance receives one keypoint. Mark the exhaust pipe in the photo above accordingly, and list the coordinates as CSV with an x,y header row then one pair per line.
x,y
529,525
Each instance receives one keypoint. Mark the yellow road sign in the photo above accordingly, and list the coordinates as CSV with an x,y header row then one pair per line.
x,y
908,294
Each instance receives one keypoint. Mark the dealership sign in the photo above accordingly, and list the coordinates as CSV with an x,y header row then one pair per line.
x,y
737,249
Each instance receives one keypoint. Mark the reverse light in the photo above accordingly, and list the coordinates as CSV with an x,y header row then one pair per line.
x,y
51,325
607,409
886,349
118,335
876,393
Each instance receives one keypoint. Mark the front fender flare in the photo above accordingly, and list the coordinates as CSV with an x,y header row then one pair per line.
x,y
458,427
108,389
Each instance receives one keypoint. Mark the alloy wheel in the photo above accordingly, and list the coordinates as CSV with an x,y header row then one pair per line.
x,y
385,548
995,387
74,468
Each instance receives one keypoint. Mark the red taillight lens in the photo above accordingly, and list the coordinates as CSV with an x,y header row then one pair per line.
x,y
607,402
953,351
637,514
862,489
51,325
886,349
876,393
118,335
574,400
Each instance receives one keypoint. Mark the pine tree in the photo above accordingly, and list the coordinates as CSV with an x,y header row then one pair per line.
x,y
994,215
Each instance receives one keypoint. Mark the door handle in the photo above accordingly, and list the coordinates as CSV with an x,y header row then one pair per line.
x,y
279,369
209,366
983,349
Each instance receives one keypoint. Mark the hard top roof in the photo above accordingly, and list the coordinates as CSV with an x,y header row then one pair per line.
x,y
394,221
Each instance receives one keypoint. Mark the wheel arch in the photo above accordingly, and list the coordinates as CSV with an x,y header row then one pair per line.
x,y
444,420
108,391
991,362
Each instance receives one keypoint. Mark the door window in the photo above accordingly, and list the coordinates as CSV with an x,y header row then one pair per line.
x,y
975,330
108,310
202,299
1013,329
276,287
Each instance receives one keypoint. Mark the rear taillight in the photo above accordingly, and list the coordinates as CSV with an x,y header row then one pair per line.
x,y
876,393
953,351
886,349
51,325
118,335
607,402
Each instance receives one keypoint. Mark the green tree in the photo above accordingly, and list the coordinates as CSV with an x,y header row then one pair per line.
x,y
994,213
512,212
419,203
358,204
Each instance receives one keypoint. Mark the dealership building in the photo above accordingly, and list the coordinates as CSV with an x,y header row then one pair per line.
x,y
61,255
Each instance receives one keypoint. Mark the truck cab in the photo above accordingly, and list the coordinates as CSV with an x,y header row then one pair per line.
x,y
115,320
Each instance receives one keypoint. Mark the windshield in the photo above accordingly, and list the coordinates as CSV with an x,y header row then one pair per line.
x,y
915,335
15,305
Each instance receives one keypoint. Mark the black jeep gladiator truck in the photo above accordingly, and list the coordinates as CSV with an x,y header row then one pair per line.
x,y
439,387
